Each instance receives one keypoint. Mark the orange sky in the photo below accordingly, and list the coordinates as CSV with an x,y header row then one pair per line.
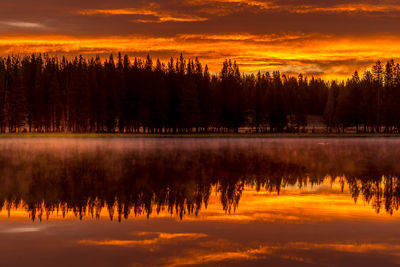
x,y
323,38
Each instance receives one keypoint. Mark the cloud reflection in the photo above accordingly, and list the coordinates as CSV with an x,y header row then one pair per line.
x,y
286,251
17,230
158,239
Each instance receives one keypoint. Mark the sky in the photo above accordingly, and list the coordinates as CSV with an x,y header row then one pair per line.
x,y
324,38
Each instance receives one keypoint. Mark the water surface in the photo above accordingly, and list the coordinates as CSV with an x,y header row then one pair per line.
x,y
183,202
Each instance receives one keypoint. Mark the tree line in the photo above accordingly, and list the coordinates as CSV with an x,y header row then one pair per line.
x,y
42,93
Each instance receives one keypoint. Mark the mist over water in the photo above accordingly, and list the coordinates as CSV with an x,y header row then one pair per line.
x,y
143,176
248,200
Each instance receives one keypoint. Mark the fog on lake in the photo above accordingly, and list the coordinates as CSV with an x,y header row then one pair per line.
x,y
144,193
146,175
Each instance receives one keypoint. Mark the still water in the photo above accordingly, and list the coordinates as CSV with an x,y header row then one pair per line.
x,y
188,202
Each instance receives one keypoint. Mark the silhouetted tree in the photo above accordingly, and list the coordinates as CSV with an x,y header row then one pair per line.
x,y
40,93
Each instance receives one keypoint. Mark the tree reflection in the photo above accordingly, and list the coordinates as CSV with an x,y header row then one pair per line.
x,y
180,181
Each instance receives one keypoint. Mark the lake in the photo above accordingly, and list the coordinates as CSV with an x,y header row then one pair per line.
x,y
199,201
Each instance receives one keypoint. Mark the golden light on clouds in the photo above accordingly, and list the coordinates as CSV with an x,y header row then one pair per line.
x,y
319,55
224,7
251,3
348,8
329,39
159,16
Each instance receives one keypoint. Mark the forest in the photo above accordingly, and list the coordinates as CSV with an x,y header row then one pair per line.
x,y
42,93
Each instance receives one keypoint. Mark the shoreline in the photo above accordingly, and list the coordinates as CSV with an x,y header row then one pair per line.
x,y
199,135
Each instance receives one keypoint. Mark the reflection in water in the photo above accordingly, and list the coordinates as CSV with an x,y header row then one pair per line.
x,y
130,177
158,238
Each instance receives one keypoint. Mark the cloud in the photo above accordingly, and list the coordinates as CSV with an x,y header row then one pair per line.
x,y
314,54
292,7
290,35
353,8
346,247
22,24
227,7
153,14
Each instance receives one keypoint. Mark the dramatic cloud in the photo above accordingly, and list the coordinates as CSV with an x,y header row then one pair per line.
x,y
151,14
327,38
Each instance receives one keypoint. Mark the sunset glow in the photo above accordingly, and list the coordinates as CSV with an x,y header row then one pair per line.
x,y
309,37
290,206
200,133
